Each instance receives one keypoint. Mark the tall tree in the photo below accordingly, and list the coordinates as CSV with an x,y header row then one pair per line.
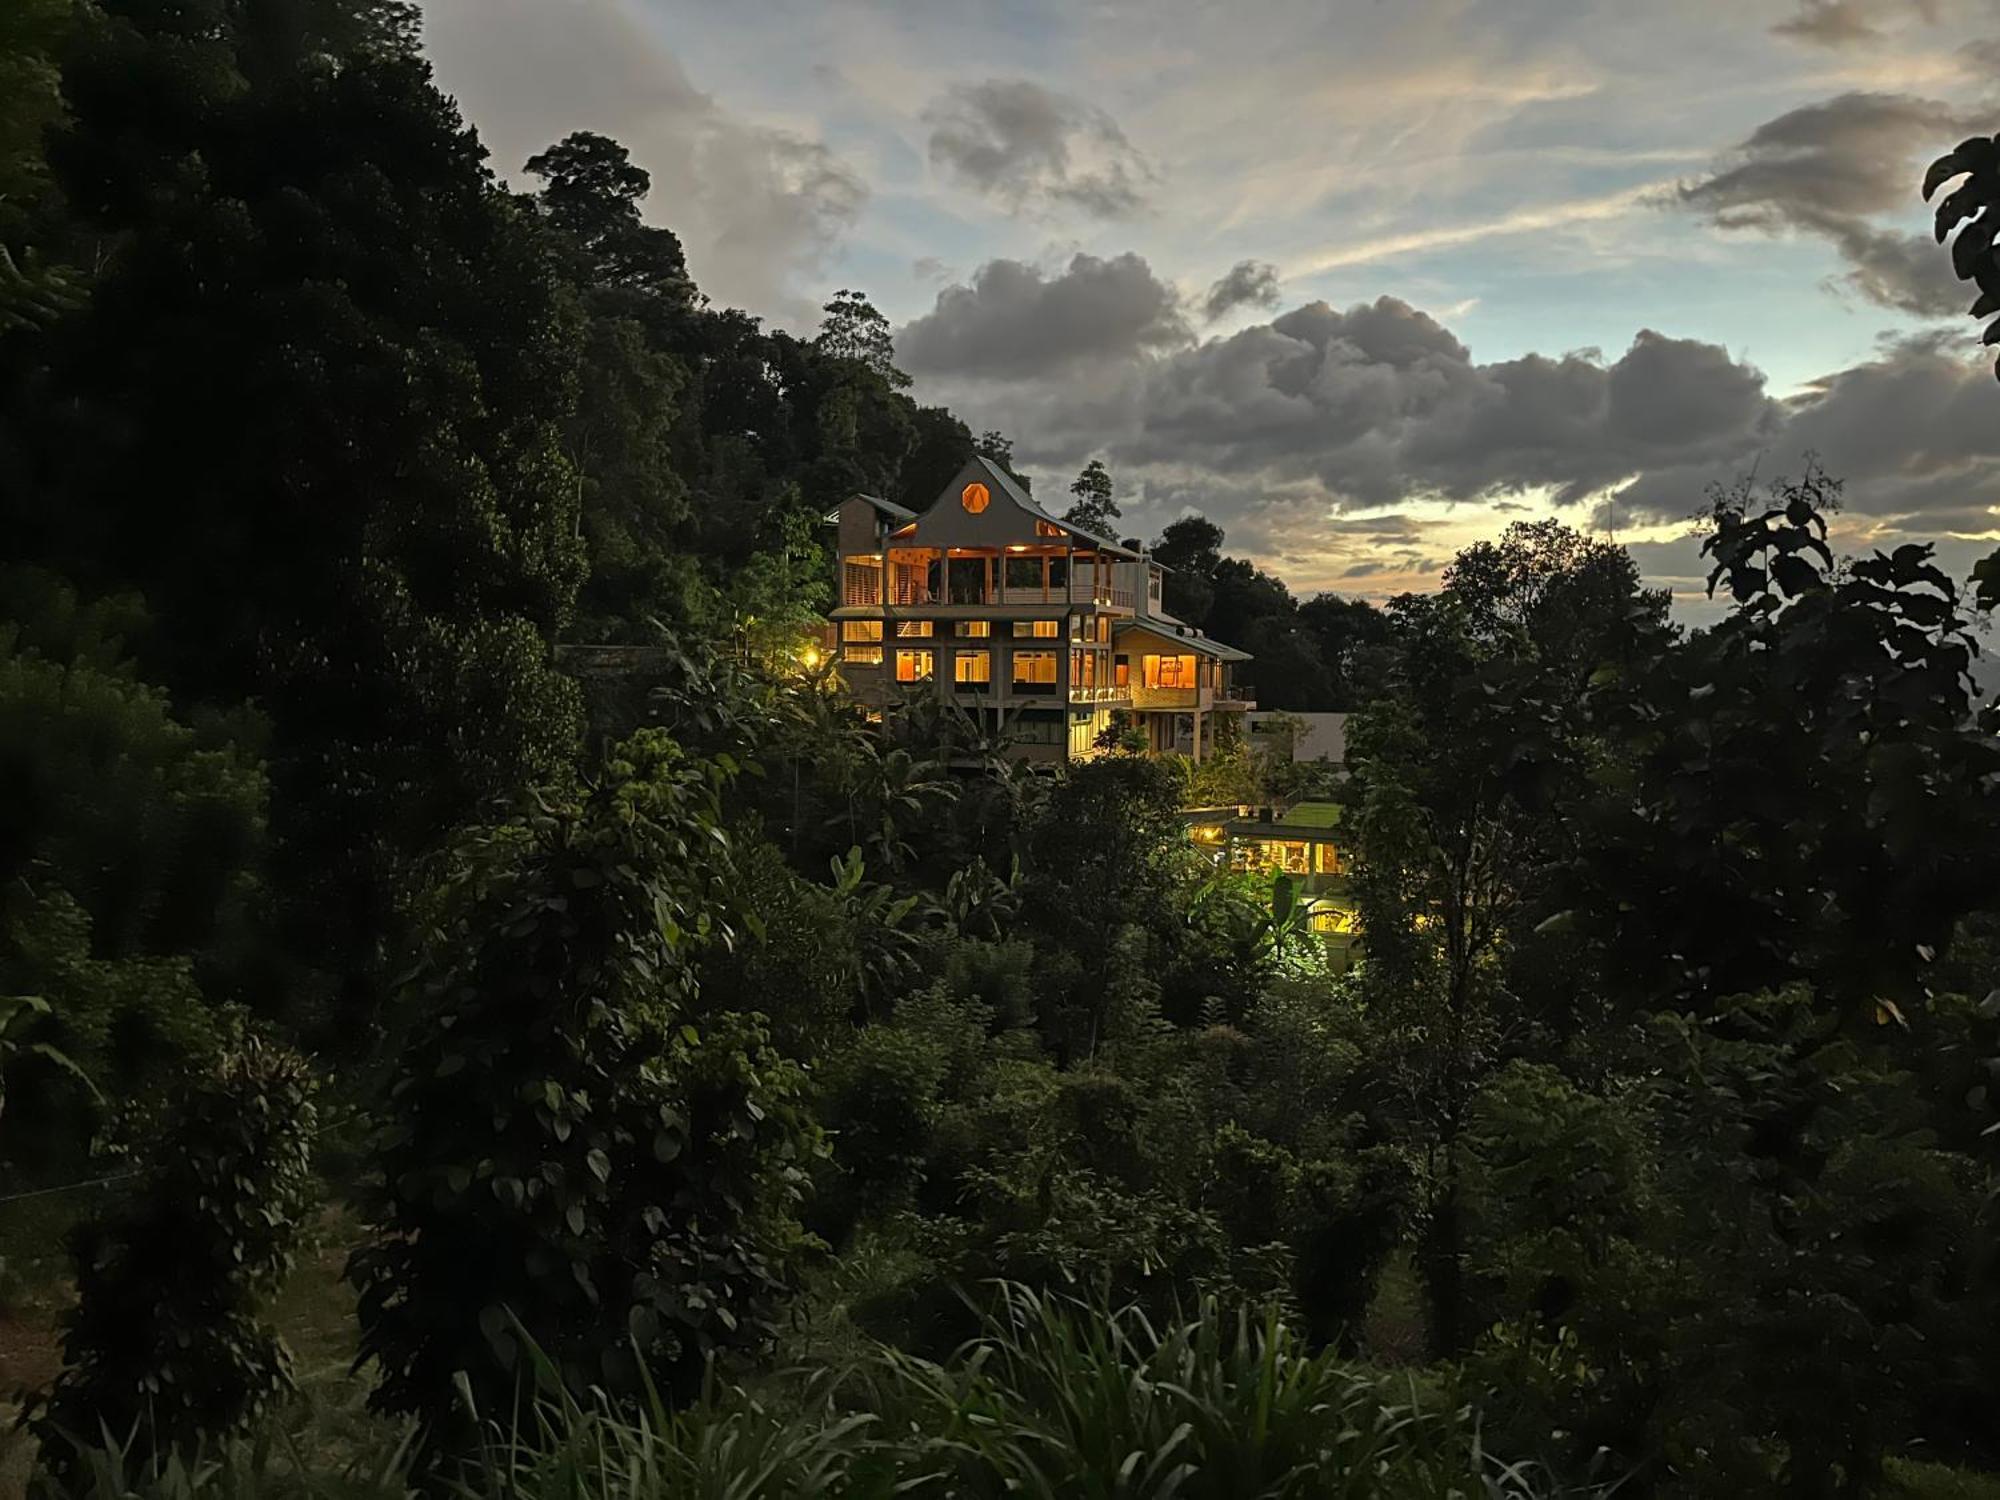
x,y
313,411
1575,601
623,432
853,330
997,446
591,192
1190,549
1353,638
1094,508
1451,769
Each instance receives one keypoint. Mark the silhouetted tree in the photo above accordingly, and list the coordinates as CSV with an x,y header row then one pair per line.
x,y
1094,508
854,330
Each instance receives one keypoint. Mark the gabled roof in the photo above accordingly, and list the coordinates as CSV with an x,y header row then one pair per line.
x,y
999,479
1167,627
888,509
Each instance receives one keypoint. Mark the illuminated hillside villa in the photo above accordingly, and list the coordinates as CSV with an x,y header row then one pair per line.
x,y
1044,630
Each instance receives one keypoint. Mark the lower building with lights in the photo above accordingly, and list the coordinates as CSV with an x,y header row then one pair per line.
x,y
1302,842
1050,635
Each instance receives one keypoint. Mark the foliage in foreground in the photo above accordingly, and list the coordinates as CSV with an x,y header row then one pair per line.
x,y
572,1147
166,1344
1053,1398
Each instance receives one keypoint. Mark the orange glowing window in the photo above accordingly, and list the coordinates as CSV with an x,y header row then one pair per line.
x,y
974,498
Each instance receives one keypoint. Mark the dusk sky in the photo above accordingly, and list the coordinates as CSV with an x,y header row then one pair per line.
x,y
1362,280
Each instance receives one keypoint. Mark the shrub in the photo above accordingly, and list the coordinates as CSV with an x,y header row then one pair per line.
x,y
568,1154
878,1098
165,1346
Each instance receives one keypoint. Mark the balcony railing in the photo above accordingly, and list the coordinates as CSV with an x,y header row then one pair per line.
x,y
906,593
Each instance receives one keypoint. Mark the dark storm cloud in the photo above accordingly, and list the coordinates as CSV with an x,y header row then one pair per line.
x,y
1911,432
1013,321
1830,168
1381,401
1025,145
1292,433
1248,283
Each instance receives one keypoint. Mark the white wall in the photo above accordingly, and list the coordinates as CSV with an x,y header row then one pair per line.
x,y
1323,738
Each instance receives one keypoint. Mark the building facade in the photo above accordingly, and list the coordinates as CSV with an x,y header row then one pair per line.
x,y
1048,633
1301,842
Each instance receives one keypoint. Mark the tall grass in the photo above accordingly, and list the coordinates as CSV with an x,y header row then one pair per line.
x,y
1054,1398
1059,1399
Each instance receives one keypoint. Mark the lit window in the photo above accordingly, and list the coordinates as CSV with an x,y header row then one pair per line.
x,y
1078,628
1049,528
973,666
1169,671
1040,630
975,498
975,629
1036,668
862,656
861,581
1104,630
913,629
915,666
861,630
1124,670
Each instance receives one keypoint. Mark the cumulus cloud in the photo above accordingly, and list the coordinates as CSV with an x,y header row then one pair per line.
x,y
758,209
1380,402
1327,435
1248,283
1014,321
1026,146
1830,169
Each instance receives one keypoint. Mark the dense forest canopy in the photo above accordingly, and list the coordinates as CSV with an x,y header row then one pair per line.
x,y
633,1052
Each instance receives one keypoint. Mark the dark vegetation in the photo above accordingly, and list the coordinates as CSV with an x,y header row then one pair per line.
x,y
724,1096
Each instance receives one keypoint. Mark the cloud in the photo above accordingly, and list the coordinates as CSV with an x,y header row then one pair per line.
x,y
1369,443
1829,169
1534,219
1848,23
1015,322
759,209
1380,402
1345,410
1248,283
1026,146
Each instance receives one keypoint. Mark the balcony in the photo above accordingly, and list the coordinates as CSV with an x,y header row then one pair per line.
x,y
1190,699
